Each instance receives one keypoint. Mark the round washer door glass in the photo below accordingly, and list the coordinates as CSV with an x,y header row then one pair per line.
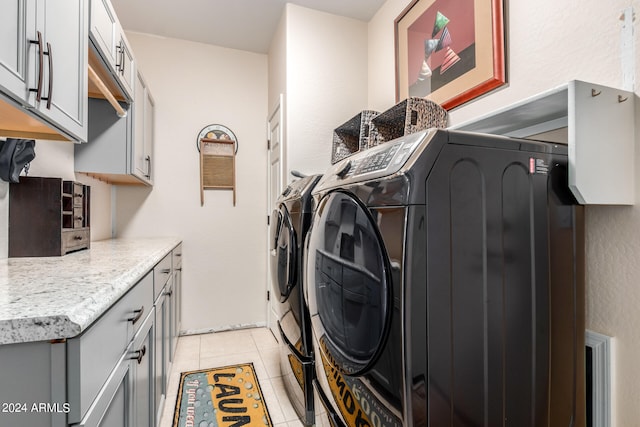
x,y
346,267
283,253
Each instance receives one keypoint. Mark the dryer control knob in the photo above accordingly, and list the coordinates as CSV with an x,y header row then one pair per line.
x,y
344,171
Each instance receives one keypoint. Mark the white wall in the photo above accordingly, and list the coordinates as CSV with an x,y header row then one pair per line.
x,y
326,83
381,59
277,59
224,261
549,43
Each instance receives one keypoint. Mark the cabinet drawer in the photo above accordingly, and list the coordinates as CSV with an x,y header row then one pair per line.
x,y
74,239
161,273
78,217
177,257
94,354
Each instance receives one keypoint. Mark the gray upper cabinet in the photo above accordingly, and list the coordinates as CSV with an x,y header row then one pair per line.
x,y
104,29
66,41
143,130
43,66
125,64
14,47
120,150
108,38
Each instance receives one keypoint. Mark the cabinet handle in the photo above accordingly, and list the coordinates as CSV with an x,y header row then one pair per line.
x,y
49,53
169,293
179,269
122,58
38,89
148,160
77,237
139,354
119,57
165,271
78,218
179,254
138,315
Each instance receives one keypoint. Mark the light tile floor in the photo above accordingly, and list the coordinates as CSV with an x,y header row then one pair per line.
x,y
225,348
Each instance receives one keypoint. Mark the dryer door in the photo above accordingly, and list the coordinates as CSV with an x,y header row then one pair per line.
x,y
283,253
348,283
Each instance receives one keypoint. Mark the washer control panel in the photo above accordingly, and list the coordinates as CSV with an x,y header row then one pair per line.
x,y
384,159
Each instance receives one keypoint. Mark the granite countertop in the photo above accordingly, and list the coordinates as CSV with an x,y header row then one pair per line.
x,y
51,298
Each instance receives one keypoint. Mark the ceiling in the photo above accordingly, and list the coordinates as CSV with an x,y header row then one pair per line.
x,y
238,24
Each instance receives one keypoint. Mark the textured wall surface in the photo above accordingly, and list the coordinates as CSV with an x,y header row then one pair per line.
x,y
549,43
326,83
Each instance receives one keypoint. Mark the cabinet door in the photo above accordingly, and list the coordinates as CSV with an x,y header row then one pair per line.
x,y
125,66
141,164
160,379
171,334
116,413
175,312
141,360
16,26
166,336
149,111
65,33
103,30
111,408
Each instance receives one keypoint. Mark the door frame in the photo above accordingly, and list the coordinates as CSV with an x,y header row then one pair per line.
x,y
277,113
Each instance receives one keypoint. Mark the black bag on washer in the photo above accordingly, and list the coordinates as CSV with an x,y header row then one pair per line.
x,y
15,155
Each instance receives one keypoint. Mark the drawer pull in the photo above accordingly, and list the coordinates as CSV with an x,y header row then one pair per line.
x,y
49,53
139,354
38,90
168,293
77,237
179,269
165,271
180,254
138,315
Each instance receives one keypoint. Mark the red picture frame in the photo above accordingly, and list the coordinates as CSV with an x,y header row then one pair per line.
x,y
450,51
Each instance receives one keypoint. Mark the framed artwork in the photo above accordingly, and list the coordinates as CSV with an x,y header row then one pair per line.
x,y
449,51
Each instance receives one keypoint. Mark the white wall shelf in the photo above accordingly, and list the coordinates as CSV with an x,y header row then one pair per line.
x,y
599,121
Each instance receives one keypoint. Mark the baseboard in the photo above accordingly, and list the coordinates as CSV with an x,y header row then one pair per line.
x,y
600,346
224,328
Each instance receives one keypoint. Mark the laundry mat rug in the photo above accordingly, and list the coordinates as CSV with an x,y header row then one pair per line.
x,y
221,397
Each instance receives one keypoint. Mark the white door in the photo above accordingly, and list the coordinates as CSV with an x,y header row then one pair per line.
x,y
275,183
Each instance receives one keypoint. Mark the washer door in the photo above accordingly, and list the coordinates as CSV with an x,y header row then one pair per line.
x,y
349,285
283,253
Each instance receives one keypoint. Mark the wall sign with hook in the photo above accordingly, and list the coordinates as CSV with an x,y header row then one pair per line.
x,y
218,146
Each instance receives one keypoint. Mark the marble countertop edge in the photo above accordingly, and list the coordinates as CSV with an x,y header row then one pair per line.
x,y
43,299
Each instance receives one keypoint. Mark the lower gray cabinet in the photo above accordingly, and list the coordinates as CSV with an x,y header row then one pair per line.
x,y
111,409
176,300
114,374
168,328
160,375
141,359
167,292
93,355
31,373
126,398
